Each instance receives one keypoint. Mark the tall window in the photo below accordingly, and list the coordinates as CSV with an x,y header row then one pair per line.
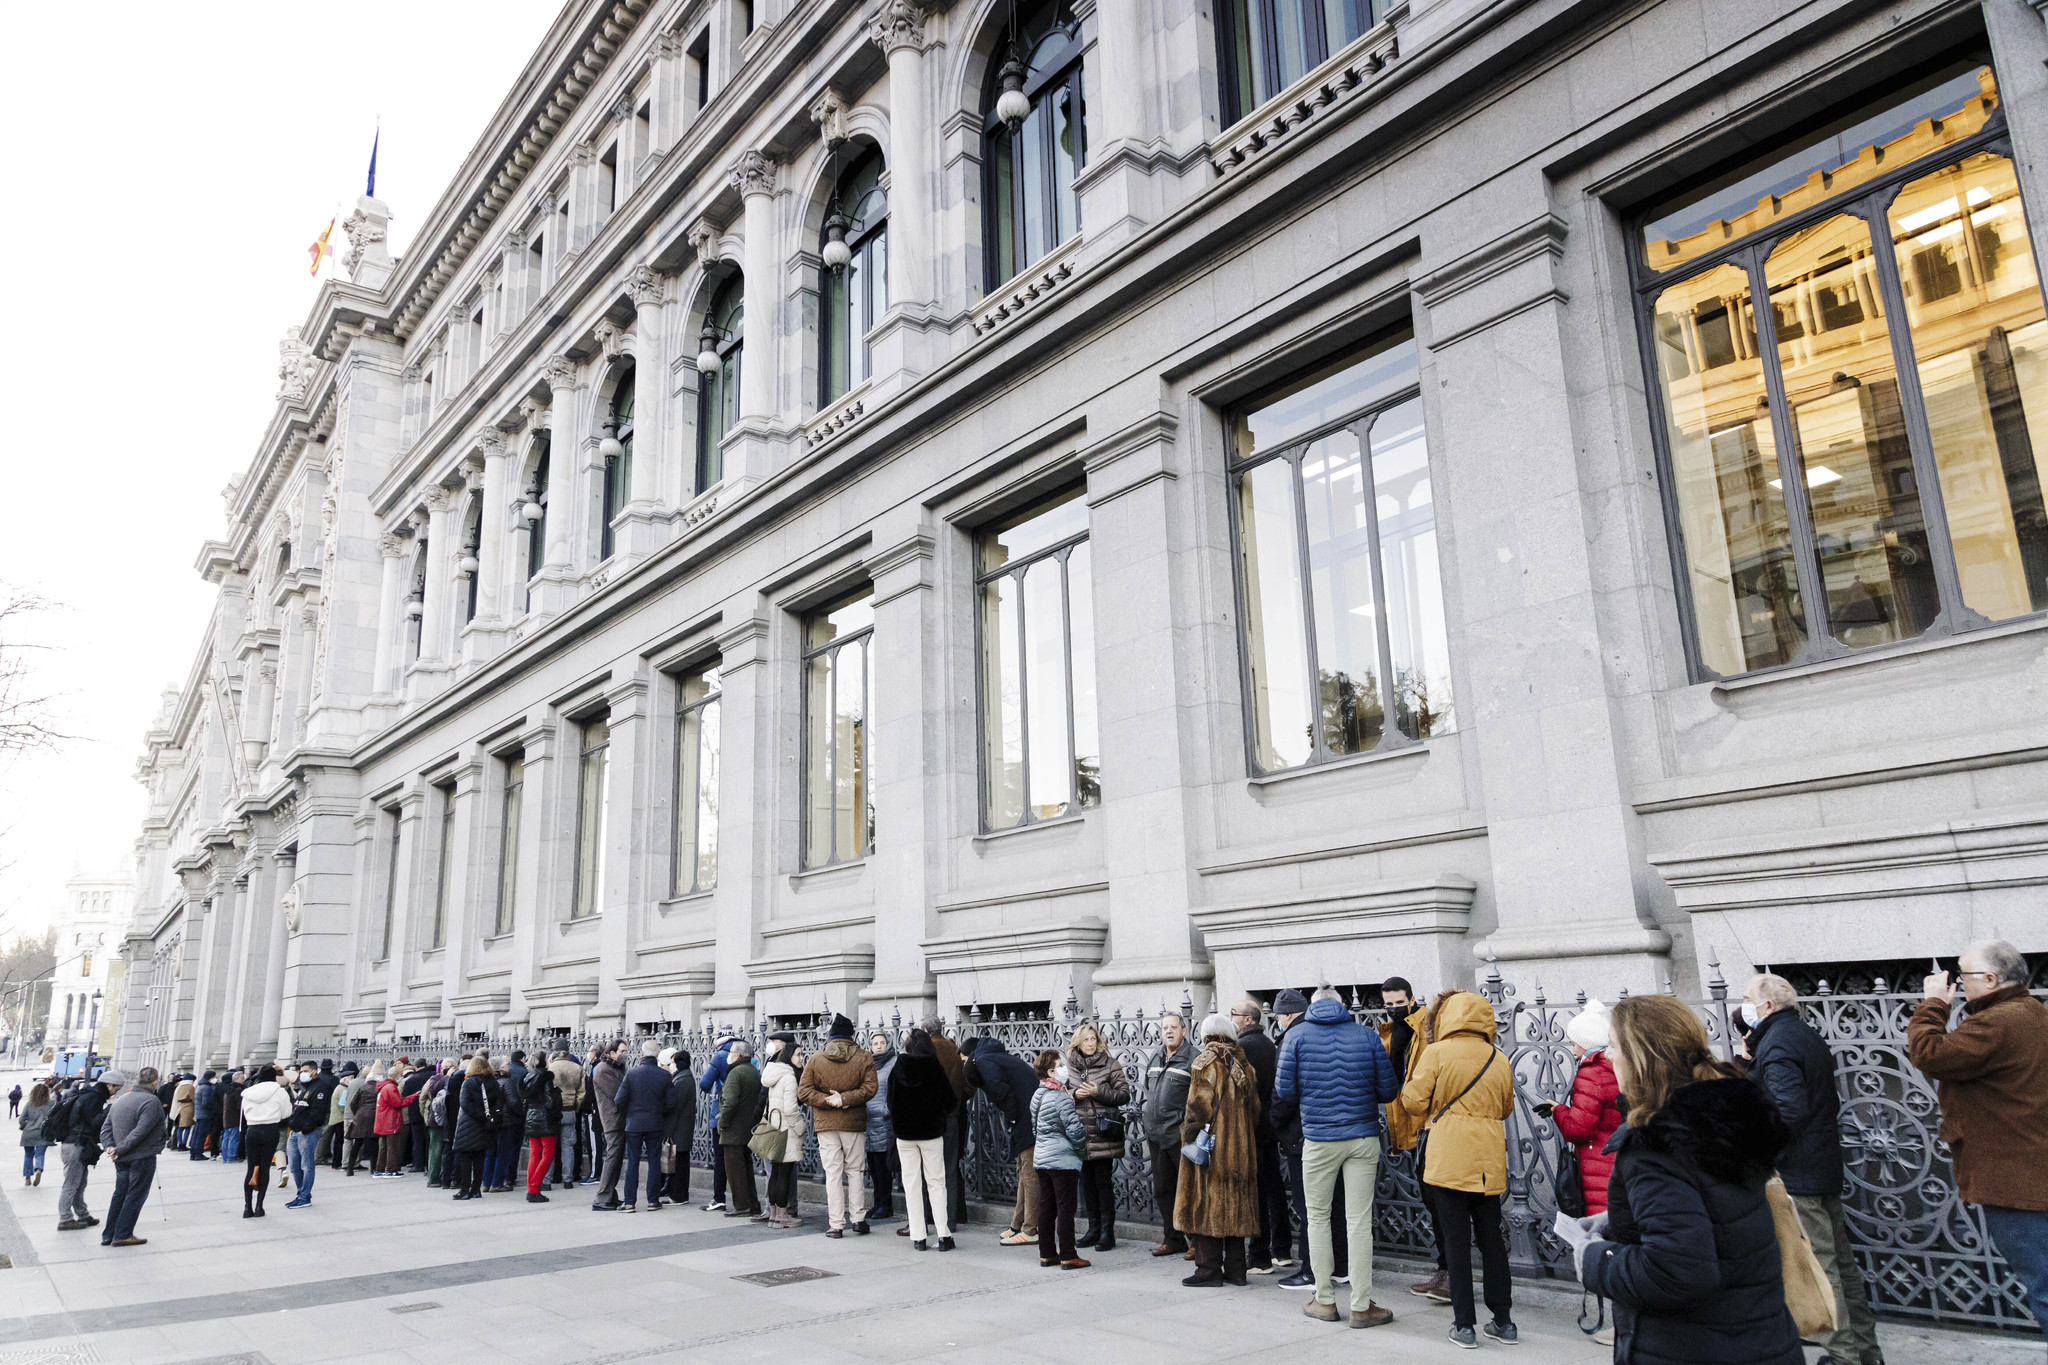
x,y
618,469
593,749
1040,756
393,831
508,843
537,529
857,296
718,393
1030,172
444,867
1268,45
696,797
1859,462
472,541
1339,591
839,801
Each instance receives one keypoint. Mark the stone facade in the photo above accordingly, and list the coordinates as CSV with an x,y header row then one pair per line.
x,y
89,932
435,765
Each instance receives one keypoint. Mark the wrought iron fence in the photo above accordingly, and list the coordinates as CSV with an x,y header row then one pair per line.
x,y
1924,1253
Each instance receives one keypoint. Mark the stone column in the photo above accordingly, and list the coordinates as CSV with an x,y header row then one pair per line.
x,y
1137,173
280,902
754,178
554,591
746,808
640,533
438,609
1142,617
906,688
240,1020
404,899
898,29
542,814
391,609
491,535
468,883
1120,53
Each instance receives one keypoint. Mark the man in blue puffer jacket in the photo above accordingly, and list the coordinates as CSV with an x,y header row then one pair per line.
x,y
1339,1074
712,1083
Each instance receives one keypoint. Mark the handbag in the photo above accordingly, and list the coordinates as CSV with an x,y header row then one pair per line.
x,y
1422,1139
1807,1292
1571,1183
768,1142
1199,1150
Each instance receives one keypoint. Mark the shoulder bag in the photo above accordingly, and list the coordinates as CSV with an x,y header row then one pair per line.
x,y
768,1141
1422,1139
1570,1185
1807,1292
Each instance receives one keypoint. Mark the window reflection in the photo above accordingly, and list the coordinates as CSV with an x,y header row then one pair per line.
x,y
592,768
839,808
695,858
1029,189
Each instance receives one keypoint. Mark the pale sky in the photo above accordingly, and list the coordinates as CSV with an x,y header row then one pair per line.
x,y
152,252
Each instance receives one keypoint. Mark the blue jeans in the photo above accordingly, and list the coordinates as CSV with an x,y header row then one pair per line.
x,y
231,1145
201,1130
32,1159
643,1147
565,1151
132,1180
2022,1238
301,1153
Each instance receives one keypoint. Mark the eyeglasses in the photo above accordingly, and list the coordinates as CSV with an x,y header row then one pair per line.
x,y
1976,973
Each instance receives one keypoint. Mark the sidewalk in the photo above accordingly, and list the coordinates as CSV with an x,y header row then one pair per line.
x,y
389,1271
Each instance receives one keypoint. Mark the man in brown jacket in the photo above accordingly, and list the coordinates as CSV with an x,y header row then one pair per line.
x,y
837,1083
1993,1070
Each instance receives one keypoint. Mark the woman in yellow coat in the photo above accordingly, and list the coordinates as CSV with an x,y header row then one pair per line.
x,y
1217,1203
1463,1090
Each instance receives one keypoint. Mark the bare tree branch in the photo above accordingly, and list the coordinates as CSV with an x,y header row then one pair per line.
x,y
27,708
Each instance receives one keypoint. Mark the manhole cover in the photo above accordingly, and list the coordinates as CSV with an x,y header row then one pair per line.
x,y
795,1274
415,1307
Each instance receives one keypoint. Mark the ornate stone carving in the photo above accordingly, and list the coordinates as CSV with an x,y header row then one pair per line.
x,y
645,286
612,339
393,545
829,113
295,367
701,237
515,241
623,110
668,44
584,153
289,904
533,413
439,499
491,441
411,373
754,173
361,230
560,372
898,23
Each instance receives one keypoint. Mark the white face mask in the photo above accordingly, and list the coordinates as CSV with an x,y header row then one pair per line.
x,y
306,1077
1059,1073
1750,1014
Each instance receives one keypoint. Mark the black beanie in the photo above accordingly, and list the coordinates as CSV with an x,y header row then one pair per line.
x,y
842,1027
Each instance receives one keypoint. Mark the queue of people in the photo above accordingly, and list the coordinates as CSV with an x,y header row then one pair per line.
x,y
1265,1155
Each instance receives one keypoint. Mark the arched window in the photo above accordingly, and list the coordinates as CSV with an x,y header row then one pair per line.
x,y
1029,191
718,393
472,541
415,602
1268,45
618,468
536,526
858,295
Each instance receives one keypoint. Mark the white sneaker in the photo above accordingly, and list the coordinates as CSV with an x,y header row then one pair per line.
x,y
715,1206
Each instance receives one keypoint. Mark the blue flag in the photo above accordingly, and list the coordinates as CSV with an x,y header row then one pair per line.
x,y
374,140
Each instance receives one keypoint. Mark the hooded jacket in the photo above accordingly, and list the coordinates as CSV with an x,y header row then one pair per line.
x,y
1993,1070
1008,1082
845,1067
1404,1039
1468,1146
206,1104
1112,1093
265,1102
1796,1069
1337,1072
391,1105
1166,1094
472,1132
712,1082
1059,1141
785,1111
33,1117
362,1106
920,1098
1691,1261
542,1099
88,1107
640,1103
1588,1121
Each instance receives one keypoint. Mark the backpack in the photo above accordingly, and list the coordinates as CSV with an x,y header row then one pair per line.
x,y
437,1109
57,1127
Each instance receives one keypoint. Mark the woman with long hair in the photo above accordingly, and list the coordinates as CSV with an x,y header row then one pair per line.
x,y
33,1147
542,1101
1689,1253
265,1107
473,1132
1100,1090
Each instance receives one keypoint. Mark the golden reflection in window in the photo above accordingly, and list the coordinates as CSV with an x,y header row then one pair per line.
x,y
1980,337
1724,460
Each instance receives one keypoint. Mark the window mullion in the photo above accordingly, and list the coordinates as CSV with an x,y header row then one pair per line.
x,y
1317,749
1269,23
1955,614
1023,693
832,755
1391,736
1067,655
1813,599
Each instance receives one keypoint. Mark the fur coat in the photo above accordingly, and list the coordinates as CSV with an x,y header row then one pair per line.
x,y
1221,1199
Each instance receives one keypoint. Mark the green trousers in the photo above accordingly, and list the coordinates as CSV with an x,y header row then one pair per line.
x,y
1359,1160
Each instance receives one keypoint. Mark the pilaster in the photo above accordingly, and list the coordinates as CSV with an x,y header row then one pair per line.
x,y
746,820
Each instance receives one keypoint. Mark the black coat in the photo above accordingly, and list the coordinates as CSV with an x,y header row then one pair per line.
x,y
682,1111
472,1134
415,1081
1286,1113
920,1097
1009,1083
1265,1062
1692,1257
741,1104
543,1101
641,1101
1797,1070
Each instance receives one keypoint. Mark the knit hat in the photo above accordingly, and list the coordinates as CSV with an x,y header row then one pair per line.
x,y
116,1079
842,1027
1588,1028
1290,1001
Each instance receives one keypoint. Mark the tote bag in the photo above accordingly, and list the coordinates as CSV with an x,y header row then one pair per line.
x,y
1807,1291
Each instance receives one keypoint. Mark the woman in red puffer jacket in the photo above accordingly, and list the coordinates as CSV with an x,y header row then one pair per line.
x,y
1593,1114
390,1124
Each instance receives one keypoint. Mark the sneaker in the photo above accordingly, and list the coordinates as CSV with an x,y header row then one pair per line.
x,y
1465,1337
536,1197
297,1203
715,1206
1284,1263
861,1229
835,1234
1340,1279
1321,1312
1300,1279
1018,1239
1266,1269
1502,1332
1375,1316
129,1242
629,1208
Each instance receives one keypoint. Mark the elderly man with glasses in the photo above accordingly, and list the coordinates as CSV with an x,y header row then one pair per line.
x,y
1993,1073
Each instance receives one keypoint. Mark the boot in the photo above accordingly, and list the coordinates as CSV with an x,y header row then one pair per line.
x,y
1090,1237
1437,1288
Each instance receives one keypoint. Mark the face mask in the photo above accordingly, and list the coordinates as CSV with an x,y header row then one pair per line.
x,y
1059,1073
1750,1015
306,1077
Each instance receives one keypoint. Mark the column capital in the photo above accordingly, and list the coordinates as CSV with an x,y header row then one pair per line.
x,y
646,286
560,373
896,25
668,44
439,499
491,441
394,545
753,173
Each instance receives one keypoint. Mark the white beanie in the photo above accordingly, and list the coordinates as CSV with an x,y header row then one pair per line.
x,y
1588,1028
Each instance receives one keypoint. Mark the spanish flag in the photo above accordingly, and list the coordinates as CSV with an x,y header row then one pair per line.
x,y
320,249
